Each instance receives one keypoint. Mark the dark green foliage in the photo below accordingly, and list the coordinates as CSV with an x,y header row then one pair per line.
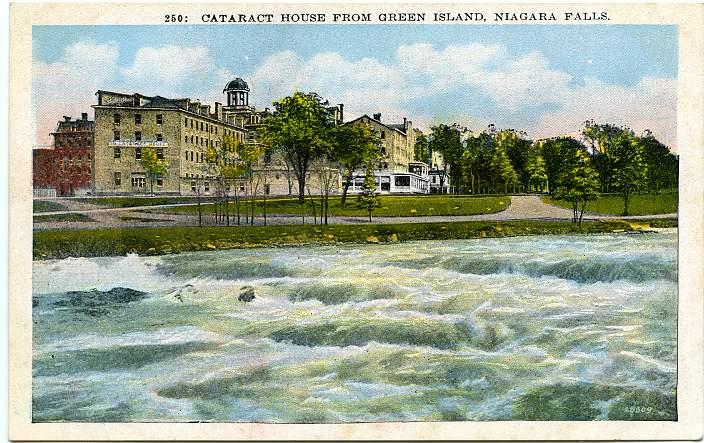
x,y
558,155
300,129
578,185
46,206
447,141
421,149
368,199
62,218
630,171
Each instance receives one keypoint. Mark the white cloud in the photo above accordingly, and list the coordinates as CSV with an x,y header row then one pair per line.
x,y
649,104
414,83
168,70
67,86
512,83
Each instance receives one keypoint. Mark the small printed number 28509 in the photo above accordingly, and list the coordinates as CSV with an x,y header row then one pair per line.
x,y
173,18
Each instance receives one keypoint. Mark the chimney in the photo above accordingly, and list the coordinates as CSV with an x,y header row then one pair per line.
x,y
342,112
218,110
67,118
84,116
377,116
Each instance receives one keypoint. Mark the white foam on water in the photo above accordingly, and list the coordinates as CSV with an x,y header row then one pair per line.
x,y
166,336
546,329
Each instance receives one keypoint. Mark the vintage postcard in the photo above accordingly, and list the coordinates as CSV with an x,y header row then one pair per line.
x,y
397,221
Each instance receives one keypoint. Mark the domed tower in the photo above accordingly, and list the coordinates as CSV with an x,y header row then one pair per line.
x,y
237,92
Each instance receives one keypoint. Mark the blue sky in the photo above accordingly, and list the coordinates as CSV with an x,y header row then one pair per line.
x,y
543,79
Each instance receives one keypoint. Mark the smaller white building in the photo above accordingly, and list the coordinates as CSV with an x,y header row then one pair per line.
x,y
415,181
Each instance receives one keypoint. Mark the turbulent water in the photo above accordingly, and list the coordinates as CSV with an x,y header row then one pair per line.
x,y
532,328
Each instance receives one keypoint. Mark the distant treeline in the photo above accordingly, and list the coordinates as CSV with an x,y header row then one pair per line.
x,y
506,160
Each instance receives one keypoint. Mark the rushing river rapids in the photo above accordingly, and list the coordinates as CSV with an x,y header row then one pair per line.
x,y
532,328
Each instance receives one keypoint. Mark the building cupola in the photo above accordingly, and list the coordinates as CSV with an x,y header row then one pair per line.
x,y
237,92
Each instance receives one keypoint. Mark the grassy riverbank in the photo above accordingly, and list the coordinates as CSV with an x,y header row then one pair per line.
x,y
155,241
646,204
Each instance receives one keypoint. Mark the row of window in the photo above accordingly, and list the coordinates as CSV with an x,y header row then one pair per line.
x,y
200,126
136,182
138,119
77,170
138,153
199,156
137,136
71,141
195,140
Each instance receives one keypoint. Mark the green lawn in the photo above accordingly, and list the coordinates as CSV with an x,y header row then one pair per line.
x,y
391,206
46,206
62,218
648,204
154,241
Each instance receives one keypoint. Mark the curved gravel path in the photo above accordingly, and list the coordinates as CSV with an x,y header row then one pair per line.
x,y
523,207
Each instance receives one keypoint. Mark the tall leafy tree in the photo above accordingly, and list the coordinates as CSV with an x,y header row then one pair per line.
x,y
234,170
602,139
536,170
630,171
447,140
663,166
578,185
354,145
501,169
368,199
517,147
153,165
421,151
558,154
299,129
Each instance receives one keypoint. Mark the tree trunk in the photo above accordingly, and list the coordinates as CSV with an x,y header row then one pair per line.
x,y
327,197
237,203
301,190
246,207
200,213
227,212
264,210
345,189
254,203
370,215
312,202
